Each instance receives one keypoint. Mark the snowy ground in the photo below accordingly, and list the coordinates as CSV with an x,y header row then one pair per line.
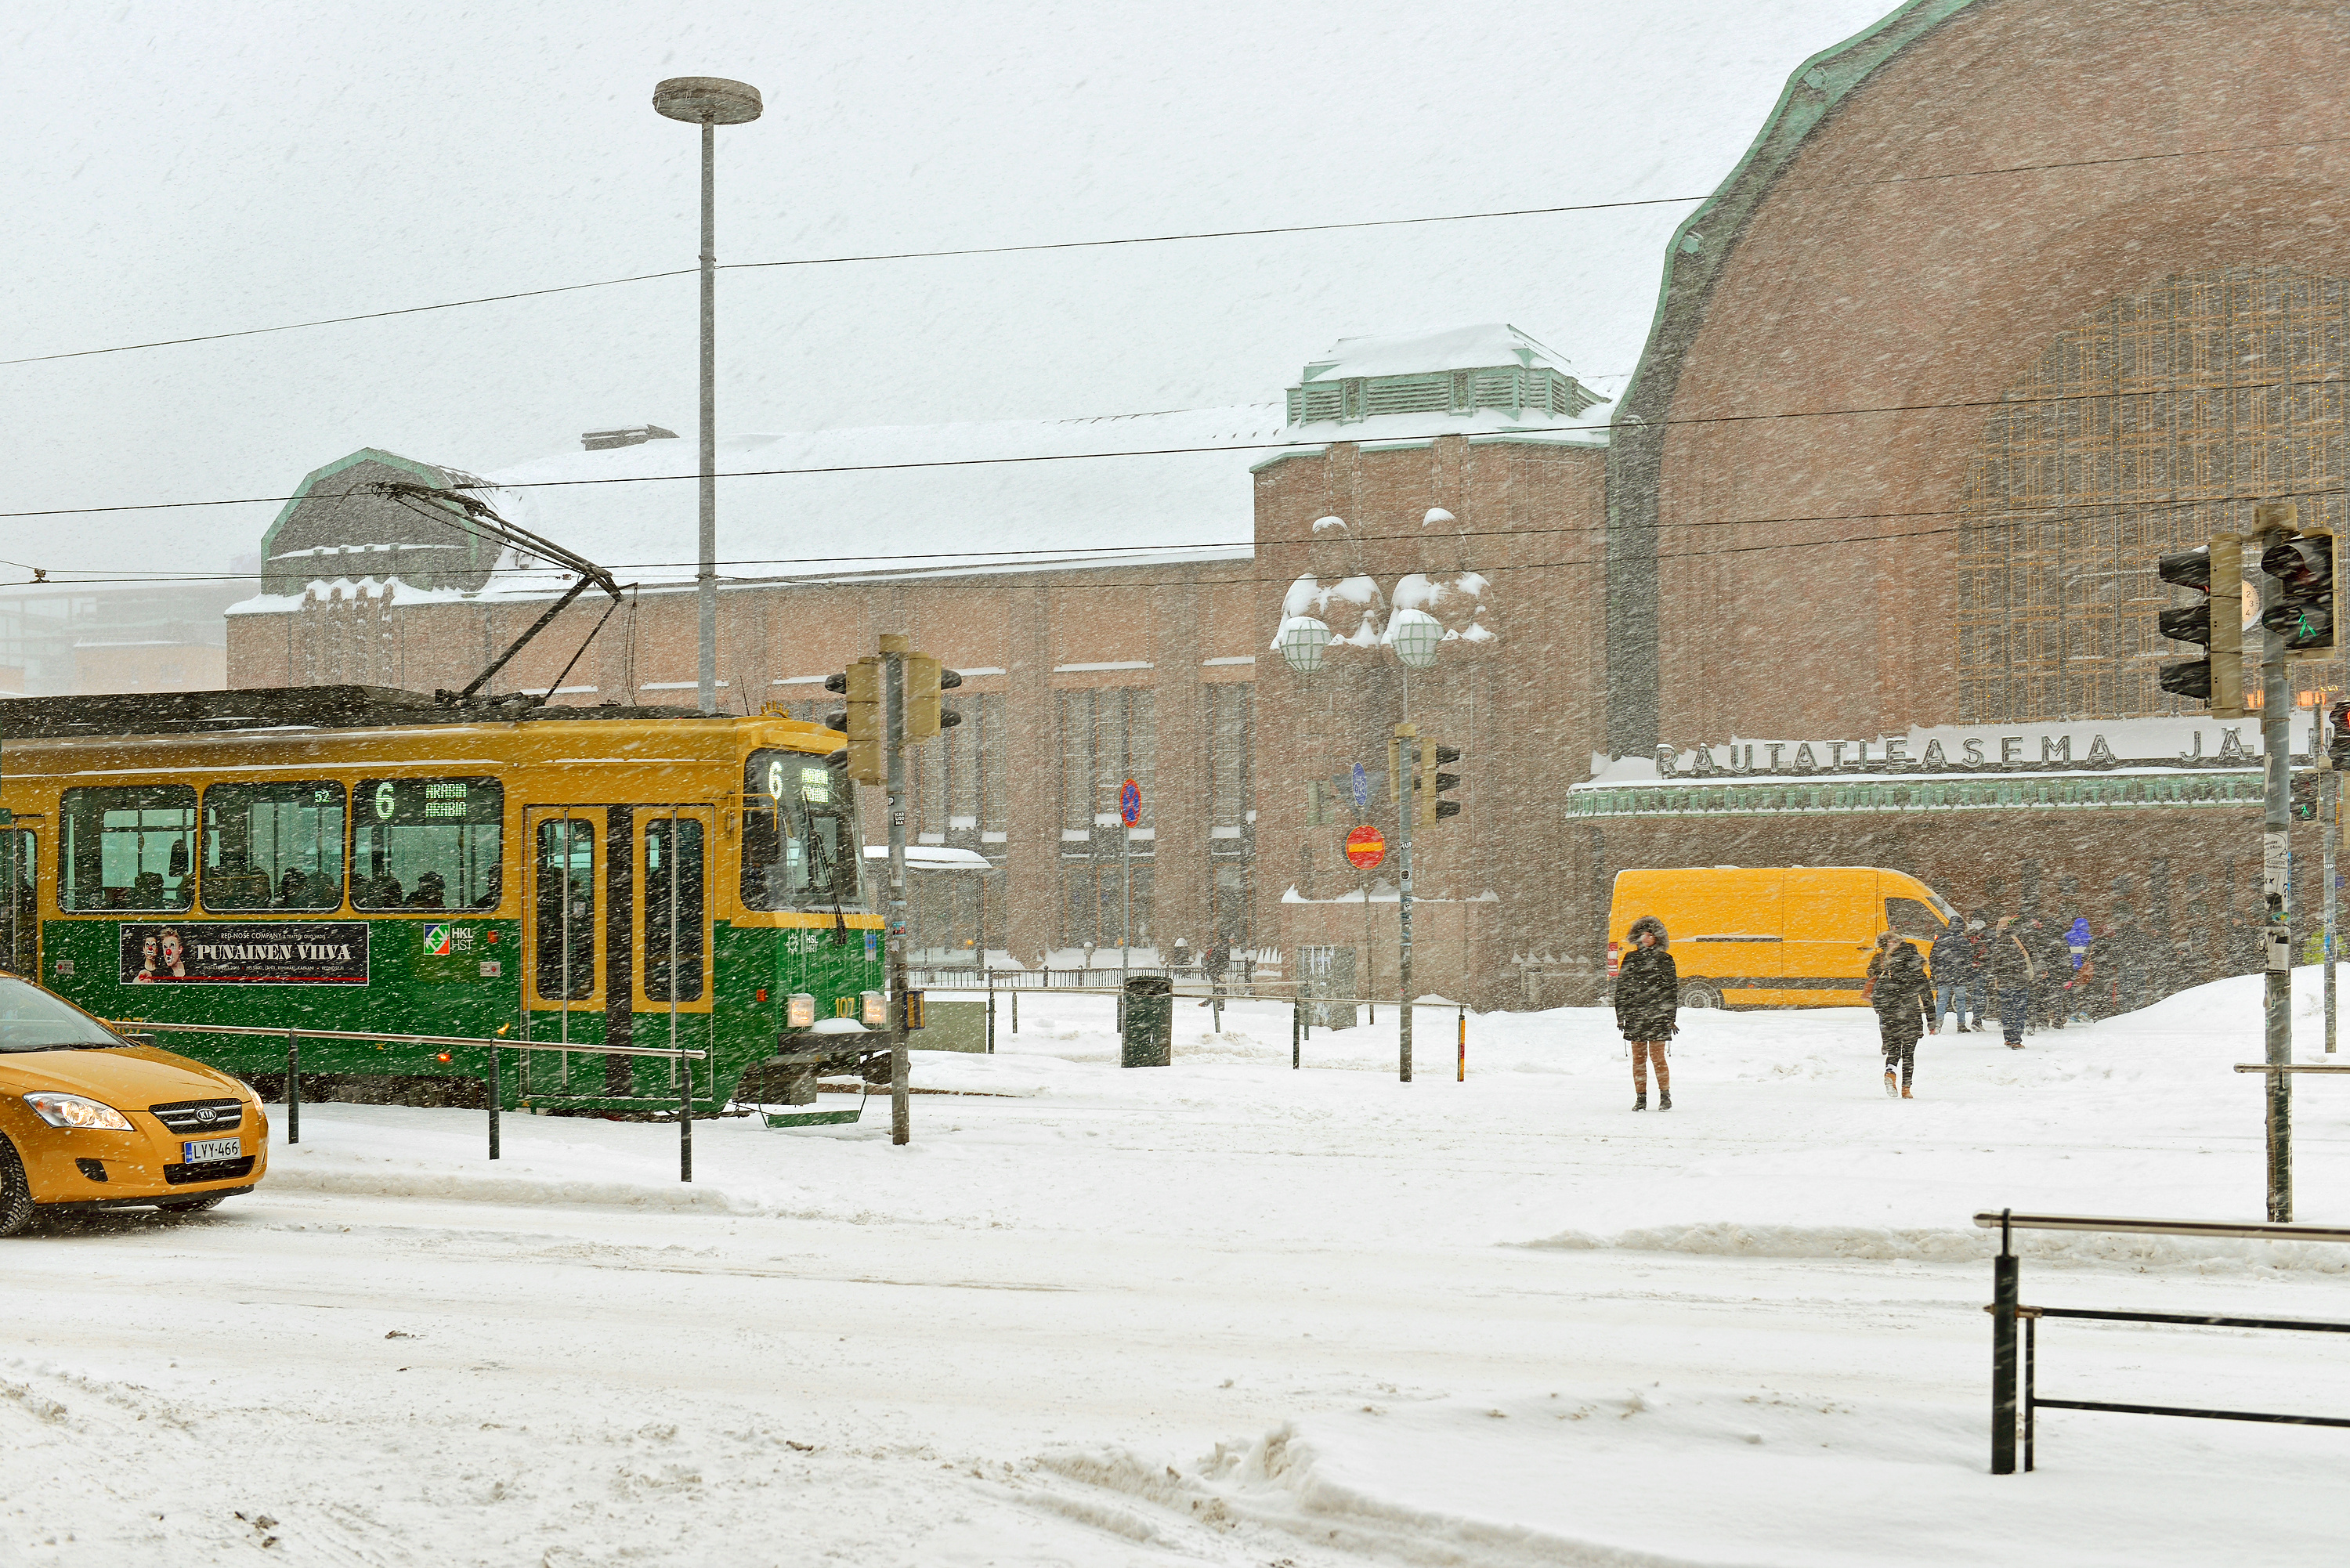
x,y
1222,1314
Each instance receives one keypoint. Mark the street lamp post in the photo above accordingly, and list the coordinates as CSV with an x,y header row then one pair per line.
x,y
709,102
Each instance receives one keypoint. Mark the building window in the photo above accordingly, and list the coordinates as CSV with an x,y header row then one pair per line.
x,y
1106,736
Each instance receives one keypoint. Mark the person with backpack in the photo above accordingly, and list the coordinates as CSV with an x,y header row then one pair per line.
x,y
1952,957
1647,1007
2011,972
1897,988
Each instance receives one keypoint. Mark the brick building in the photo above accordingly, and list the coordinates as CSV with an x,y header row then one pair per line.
x,y
1087,661
2005,298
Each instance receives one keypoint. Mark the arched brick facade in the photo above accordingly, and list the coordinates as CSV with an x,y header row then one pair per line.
x,y
1877,296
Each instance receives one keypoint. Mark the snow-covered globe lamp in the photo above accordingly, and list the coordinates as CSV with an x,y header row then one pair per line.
x,y
1301,642
1415,634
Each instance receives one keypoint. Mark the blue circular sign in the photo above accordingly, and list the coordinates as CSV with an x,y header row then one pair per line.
x,y
1129,802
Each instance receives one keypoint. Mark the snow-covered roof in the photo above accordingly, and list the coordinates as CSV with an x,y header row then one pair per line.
x,y
1474,347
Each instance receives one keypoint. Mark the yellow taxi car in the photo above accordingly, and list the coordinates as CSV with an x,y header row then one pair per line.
x,y
89,1119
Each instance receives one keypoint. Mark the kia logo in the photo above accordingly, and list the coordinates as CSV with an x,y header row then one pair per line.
x,y
204,1115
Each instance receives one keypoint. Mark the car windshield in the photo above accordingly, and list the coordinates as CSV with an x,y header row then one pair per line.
x,y
33,1019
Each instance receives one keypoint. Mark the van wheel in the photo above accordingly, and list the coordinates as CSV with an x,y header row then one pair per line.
x,y
15,1192
194,1205
1701,996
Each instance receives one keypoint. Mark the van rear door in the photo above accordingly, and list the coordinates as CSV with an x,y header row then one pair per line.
x,y
1832,917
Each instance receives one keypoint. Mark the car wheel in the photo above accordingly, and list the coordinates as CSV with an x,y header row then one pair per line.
x,y
194,1205
15,1192
1701,996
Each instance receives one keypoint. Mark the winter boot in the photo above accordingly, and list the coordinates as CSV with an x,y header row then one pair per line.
x,y
1641,1103
1905,1094
1892,1085
1664,1099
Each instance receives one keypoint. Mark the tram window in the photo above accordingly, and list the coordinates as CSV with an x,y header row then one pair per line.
x,y
273,845
20,942
673,935
127,848
426,844
565,915
801,849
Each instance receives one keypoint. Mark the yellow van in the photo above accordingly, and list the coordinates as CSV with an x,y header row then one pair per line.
x,y
1794,936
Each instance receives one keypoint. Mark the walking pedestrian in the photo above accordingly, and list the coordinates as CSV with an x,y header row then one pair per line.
x,y
1952,958
1897,988
1978,935
1648,1004
2010,970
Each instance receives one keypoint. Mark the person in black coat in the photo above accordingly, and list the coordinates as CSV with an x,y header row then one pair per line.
x,y
1903,997
1647,1003
1953,957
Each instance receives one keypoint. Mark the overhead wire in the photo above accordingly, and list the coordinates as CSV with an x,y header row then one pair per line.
x,y
2009,518
1306,444
1269,231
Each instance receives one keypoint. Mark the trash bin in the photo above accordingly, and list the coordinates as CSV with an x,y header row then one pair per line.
x,y
1148,1040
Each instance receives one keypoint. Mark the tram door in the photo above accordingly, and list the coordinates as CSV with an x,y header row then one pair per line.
x,y
674,973
20,918
566,902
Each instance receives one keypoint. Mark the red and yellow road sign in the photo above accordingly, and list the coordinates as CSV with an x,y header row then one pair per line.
x,y
1366,848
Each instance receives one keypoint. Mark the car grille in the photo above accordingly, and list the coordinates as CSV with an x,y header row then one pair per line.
x,y
200,1115
210,1170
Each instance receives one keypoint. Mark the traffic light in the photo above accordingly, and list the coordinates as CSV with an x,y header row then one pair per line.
x,y
925,678
1433,783
2302,803
2216,571
2305,564
2337,737
861,720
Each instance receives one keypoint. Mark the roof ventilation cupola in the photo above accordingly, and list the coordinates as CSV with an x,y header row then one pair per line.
x,y
1464,370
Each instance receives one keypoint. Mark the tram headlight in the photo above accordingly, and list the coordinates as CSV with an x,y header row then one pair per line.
x,y
876,1011
799,1011
76,1111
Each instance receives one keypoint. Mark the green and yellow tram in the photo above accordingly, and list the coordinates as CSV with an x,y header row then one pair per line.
x,y
360,858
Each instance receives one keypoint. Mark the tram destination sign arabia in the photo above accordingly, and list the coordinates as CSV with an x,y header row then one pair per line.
x,y
217,952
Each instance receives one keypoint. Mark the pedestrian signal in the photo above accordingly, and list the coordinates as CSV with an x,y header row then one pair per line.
x,y
2303,562
2216,571
861,720
925,678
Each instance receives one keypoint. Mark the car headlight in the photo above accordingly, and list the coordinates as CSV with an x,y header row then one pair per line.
x,y
76,1111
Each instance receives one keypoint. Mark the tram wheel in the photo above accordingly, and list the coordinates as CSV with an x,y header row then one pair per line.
x,y
15,1192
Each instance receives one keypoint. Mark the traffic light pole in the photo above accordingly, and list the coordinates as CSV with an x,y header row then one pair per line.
x,y
2276,860
2329,807
893,708
1407,793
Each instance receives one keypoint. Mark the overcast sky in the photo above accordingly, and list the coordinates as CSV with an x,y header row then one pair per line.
x,y
191,168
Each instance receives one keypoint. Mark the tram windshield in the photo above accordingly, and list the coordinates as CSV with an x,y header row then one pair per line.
x,y
801,849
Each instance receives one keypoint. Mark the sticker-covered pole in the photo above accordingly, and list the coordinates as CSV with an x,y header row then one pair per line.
x,y
893,708
2276,863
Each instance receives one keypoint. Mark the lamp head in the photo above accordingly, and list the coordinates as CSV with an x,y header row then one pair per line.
x,y
708,101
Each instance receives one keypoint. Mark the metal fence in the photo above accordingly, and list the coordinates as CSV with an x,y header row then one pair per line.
x,y
2011,1412
131,1029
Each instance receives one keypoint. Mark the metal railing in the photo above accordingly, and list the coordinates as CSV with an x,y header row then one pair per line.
x,y
134,1028
2011,1414
1301,1024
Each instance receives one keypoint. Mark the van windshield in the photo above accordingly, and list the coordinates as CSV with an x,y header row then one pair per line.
x,y
33,1019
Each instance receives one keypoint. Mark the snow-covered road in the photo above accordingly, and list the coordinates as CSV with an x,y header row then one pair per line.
x,y
1219,1313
